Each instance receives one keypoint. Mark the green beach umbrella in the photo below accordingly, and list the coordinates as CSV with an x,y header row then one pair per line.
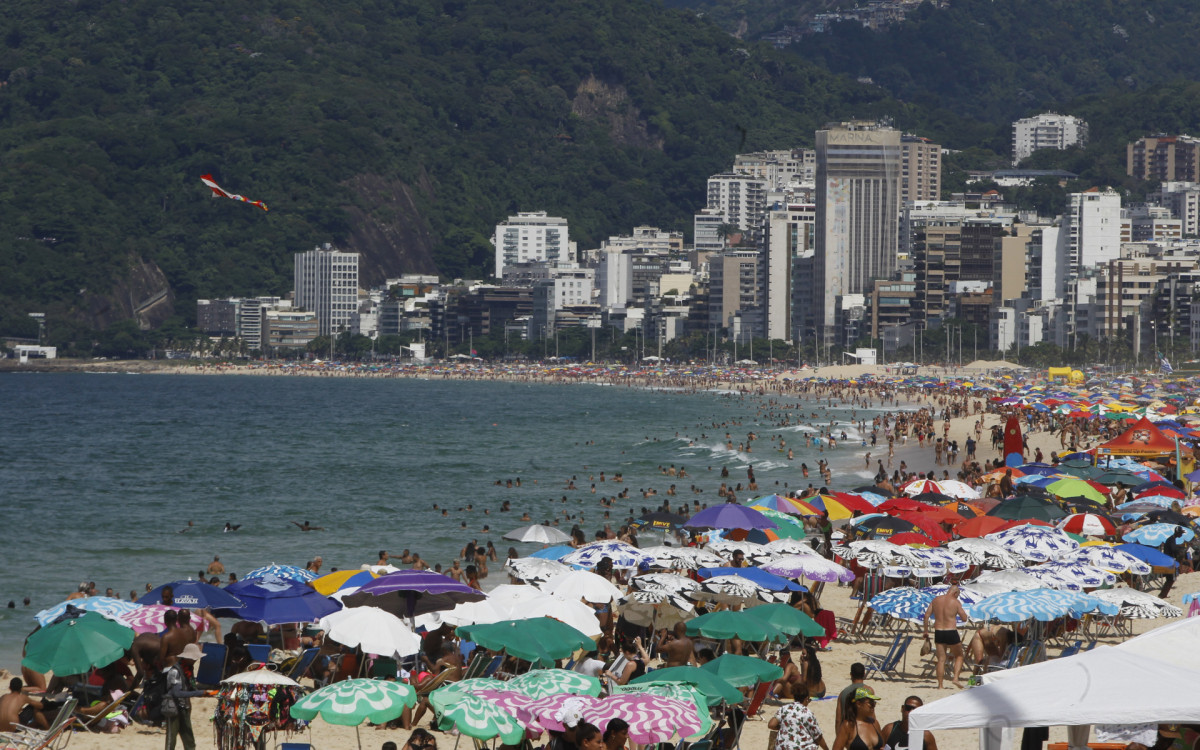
x,y
540,640
788,619
728,624
351,702
475,717
74,646
540,683
744,671
788,527
472,685
1076,488
713,688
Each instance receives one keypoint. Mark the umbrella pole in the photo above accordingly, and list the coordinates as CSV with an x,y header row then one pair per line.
x,y
358,737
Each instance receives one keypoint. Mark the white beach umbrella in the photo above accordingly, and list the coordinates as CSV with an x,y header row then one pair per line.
x,y
1109,558
683,558
999,581
726,547
371,629
874,553
668,582
960,490
780,547
582,584
474,613
534,569
985,552
1138,604
538,534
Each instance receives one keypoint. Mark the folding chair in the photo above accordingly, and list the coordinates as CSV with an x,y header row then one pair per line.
x,y
756,700
92,721
304,662
259,652
886,664
211,669
478,663
55,736
1013,656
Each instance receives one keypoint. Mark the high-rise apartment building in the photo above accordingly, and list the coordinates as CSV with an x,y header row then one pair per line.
x,y
790,236
1166,158
1046,131
740,199
920,169
857,222
327,284
530,237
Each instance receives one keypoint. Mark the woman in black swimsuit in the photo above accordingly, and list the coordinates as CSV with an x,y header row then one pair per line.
x,y
858,728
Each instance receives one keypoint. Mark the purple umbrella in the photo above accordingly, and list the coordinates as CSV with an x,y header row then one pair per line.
x,y
409,593
729,516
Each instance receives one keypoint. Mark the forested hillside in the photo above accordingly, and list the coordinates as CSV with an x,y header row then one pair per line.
x,y
403,130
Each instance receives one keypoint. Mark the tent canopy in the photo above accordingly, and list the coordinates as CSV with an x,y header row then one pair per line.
x,y
1143,439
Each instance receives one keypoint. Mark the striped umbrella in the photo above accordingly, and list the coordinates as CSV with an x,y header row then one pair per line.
x,y
1038,604
1074,575
728,588
351,702
682,558
1108,558
1088,524
651,718
105,605
1138,604
665,581
539,683
902,602
517,705
781,547
550,711
342,580
679,691
149,619
656,607
1036,543
475,716
874,553
1003,581
726,547
811,567
286,572
1154,534
535,569
622,555
984,552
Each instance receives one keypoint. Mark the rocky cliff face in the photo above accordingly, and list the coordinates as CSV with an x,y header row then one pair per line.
x,y
387,228
608,103
142,292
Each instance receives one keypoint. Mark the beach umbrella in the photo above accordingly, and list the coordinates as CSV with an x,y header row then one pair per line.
x,y
1073,575
351,702
470,613
726,547
260,677
76,645
934,498
276,601
1138,604
684,558
729,624
846,500
1154,534
475,716
744,671
903,503
657,608
517,705
105,605
409,593
1108,558
557,552
371,629
1089,524
539,683
535,569
1117,476
874,553
538,534
787,619
960,490
883,527
540,640
528,602
729,516
651,718
811,567
340,580
581,584
193,595
552,710
714,689
666,581
286,572
780,504
762,578
999,581
787,527
928,523
1169,516
1027,507
151,618
1038,604
901,602
732,589
781,547
622,555
918,486
1036,543
979,527
1077,488
984,552
661,519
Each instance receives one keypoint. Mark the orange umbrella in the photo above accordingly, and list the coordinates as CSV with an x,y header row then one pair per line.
x,y
979,526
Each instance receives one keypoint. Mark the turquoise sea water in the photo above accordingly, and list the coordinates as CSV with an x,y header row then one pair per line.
x,y
98,473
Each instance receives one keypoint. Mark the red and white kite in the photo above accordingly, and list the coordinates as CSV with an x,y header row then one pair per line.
x,y
218,191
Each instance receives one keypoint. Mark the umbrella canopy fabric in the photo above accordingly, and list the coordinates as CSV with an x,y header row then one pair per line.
x,y
743,671
1148,555
655,607
260,677
539,683
726,547
1077,488
1108,558
538,534
104,605
732,589
622,555
1154,534
535,569
714,689
151,619
811,567
682,558
978,527
1027,506
408,593
874,553
75,646
1074,574
1088,524
883,527
1036,543
340,580
286,572
661,519
729,624
276,601
781,547
1038,604
984,552
581,584
651,718
373,630
351,702
539,640
1138,604
729,516
1002,581
528,602
762,578
557,552
665,581
787,619
477,717
194,595
902,602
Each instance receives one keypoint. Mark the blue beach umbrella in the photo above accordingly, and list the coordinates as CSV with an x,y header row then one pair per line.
x,y
622,555
768,581
1038,604
729,516
193,595
286,572
1155,534
275,601
105,605
902,602
556,552
1148,555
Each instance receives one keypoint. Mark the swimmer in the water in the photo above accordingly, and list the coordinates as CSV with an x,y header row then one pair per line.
x,y
306,526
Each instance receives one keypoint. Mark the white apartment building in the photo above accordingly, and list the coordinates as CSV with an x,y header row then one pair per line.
x,y
326,282
740,199
1183,198
791,234
530,237
779,169
1047,130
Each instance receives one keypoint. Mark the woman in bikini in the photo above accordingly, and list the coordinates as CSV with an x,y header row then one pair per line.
x,y
858,728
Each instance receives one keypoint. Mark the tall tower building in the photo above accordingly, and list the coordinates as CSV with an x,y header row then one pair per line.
x,y
920,169
530,237
327,284
857,222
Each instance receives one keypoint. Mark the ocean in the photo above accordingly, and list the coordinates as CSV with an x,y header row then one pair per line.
x,y
102,473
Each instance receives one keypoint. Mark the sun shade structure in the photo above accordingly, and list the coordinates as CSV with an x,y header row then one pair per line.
x,y
540,640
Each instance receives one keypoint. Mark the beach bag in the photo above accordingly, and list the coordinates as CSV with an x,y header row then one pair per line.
x,y
154,694
169,708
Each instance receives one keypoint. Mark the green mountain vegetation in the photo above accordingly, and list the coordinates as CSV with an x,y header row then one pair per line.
x,y
403,130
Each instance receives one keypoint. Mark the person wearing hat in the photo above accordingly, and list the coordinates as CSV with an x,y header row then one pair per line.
x,y
858,729
180,693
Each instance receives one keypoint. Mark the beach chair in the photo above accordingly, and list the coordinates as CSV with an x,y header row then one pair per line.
x,y
493,666
887,664
259,652
211,669
1011,658
1034,652
1071,650
478,663
90,723
304,662
57,735
757,698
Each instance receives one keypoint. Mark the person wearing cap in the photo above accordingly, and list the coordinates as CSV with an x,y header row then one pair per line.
x,y
179,689
858,729
897,731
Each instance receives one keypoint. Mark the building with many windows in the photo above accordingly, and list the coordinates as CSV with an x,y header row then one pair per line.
x,y
531,237
1164,158
920,169
327,284
1046,131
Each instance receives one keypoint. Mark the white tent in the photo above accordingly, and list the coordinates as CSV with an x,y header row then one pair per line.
x,y
1141,681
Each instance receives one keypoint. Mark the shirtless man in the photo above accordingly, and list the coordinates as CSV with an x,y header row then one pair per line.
x,y
15,703
455,571
173,640
215,568
678,651
306,526
946,610
988,645
145,650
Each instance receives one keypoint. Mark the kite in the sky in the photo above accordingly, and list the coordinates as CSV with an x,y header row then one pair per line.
x,y
218,191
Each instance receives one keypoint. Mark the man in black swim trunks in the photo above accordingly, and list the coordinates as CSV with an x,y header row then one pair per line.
x,y
946,610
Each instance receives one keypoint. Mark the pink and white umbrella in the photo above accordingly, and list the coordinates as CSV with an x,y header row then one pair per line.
x,y
651,718
149,619
516,704
551,710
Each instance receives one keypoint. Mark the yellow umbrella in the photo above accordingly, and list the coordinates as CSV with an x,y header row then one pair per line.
x,y
331,582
